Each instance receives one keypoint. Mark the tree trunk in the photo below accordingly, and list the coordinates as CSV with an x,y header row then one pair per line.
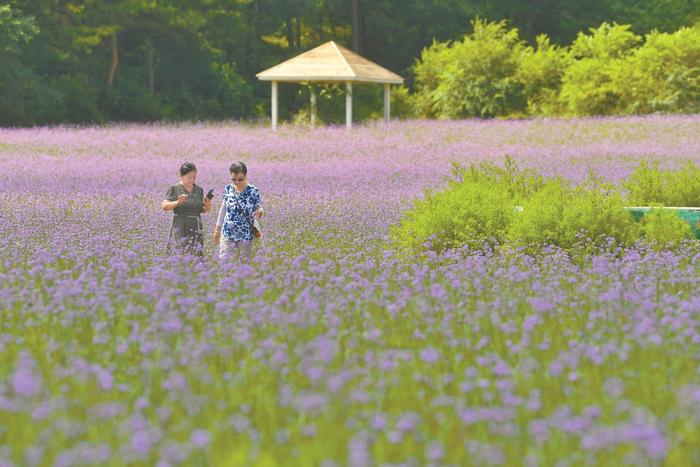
x,y
356,32
151,66
290,26
298,30
115,60
248,35
319,21
251,36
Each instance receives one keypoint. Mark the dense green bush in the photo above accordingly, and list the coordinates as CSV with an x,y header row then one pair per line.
x,y
472,78
468,213
477,207
487,204
650,185
541,72
589,83
663,75
559,214
608,71
664,228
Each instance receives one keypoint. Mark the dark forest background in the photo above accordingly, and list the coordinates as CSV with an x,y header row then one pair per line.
x,y
85,61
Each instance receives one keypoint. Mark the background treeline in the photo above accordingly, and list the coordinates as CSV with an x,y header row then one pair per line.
x,y
608,70
78,61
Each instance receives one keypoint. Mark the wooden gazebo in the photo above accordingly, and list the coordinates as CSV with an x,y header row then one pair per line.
x,y
330,63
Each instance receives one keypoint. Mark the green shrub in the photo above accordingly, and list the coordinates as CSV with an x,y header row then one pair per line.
x,y
589,86
596,211
663,74
650,185
468,213
541,71
490,205
472,78
476,208
427,72
401,104
540,219
559,214
663,228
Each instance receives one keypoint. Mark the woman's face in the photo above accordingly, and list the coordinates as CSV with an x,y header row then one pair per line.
x,y
189,178
238,180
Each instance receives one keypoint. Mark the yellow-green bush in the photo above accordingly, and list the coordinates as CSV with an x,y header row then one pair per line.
x,y
663,75
589,86
477,207
541,70
472,78
608,71
664,228
487,204
650,185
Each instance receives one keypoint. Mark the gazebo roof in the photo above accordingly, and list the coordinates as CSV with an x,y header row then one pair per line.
x,y
330,62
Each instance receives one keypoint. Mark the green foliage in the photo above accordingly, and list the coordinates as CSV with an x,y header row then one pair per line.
x,y
596,211
562,215
477,207
15,29
367,103
610,71
541,71
605,42
487,204
401,106
664,229
467,213
128,100
203,57
472,78
588,85
663,75
649,185
79,100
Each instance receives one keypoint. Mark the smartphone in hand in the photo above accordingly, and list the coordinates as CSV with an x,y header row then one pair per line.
x,y
210,195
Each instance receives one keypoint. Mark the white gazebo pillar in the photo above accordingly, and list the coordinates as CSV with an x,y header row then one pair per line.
x,y
387,103
313,106
348,104
274,105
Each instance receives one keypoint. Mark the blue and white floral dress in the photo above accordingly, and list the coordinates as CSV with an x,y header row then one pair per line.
x,y
239,208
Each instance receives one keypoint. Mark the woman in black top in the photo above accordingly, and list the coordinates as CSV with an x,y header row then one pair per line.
x,y
186,200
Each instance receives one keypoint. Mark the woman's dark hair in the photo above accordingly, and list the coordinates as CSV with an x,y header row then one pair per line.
x,y
186,168
238,167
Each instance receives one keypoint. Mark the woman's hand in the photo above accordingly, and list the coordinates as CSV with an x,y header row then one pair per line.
x,y
206,205
217,236
258,213
181,199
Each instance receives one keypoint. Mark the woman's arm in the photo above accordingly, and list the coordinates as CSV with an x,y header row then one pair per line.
x,y
219,222
172,200
258,210
222,214
170,205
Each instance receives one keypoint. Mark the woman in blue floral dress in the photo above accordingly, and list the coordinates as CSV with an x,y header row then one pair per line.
x,y
240,207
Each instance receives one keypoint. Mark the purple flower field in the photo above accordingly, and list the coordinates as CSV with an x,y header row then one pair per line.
x,y
331,349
